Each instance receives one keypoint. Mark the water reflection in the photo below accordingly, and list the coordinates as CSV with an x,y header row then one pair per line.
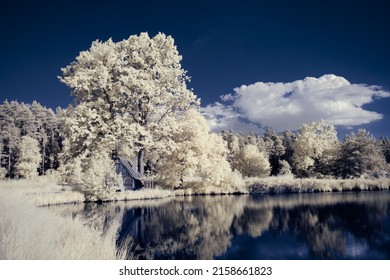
x,y
305,226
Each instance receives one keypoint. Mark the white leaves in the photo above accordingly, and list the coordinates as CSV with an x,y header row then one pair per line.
x,y
251,162
29,158
311,142
129,94
361,155
194,154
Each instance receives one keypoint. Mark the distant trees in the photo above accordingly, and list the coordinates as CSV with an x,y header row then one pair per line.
x,y
385,145
361,154
275,148
35,121
181,149
10,136
251,162
284,168
29,158
311,144
313,151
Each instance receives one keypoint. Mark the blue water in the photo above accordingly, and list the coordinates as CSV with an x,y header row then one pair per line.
x,y
299,226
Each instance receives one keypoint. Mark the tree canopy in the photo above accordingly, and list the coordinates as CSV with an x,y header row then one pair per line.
x,y
123,91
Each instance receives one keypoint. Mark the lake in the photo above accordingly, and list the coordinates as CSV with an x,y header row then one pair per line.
x,y
353,225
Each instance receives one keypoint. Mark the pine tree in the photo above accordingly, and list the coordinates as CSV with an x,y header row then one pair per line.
x,y
275,148
361,155
385,144
10,137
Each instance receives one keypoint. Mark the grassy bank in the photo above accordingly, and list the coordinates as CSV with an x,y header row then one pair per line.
x,y
31,232
44,191
28,232
280,185
41,192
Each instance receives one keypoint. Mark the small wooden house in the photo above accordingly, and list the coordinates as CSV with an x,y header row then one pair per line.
x,y
124,166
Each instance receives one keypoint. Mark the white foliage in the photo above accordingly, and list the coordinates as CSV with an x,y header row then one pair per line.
x,y
94,175
71,172
125,92
99,177
361,156
123,89
195,155
251,162
311,142
29,158
285,168
3,172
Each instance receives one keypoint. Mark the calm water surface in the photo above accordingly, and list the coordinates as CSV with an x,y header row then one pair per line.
x,y
300,226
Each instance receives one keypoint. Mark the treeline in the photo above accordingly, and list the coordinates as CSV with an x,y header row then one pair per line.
x,y
29,135
314,151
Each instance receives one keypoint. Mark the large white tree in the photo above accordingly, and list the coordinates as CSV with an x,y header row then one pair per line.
x,y
123,93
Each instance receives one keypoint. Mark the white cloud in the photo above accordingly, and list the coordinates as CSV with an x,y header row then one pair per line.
x,y
221,117
289,105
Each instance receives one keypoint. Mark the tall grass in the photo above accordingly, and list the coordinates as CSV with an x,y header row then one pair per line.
x,y
42,191
28,232
142,194
287,184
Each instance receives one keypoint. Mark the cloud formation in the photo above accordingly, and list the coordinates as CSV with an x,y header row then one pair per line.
x,y
221,117
286,106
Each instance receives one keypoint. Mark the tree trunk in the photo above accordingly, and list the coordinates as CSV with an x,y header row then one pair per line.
x,y
143,121
43,159
141,158
9,166
141,165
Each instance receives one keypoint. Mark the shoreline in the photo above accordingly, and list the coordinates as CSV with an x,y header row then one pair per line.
x,y
45,192
23,214
275,185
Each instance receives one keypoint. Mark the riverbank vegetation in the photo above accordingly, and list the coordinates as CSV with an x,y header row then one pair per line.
x,y
54,237
131,97
284,184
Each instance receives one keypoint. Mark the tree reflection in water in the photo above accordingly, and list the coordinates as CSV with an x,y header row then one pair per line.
x,y
328,226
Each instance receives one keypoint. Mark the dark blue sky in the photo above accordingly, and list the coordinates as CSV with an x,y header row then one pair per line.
x,y
224,44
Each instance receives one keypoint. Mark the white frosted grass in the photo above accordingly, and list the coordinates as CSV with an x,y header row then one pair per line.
x,y
141,194
43,191
287,184
35,233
